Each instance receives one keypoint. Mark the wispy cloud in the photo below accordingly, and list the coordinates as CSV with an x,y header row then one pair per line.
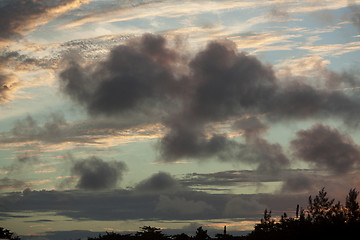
x,y
18,17
332,49
156,9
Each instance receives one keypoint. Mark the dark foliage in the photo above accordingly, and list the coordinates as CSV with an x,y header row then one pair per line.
x,y
7,234
321,220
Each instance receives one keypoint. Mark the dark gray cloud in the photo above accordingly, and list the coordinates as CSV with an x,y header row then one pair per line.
x,y
96,174
142,80
228,82
269,156
252,127
327,147
159,182
134,77
186,140
298,182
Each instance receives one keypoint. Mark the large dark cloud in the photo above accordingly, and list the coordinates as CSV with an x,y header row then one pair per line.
x,y
96,174
134,77
142,80
229,83
327,147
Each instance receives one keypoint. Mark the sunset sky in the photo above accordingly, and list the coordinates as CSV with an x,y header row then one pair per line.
x,y
176,114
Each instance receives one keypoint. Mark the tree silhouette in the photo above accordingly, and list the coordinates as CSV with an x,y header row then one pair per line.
x,y
201,234
150,233
320,208
321,220
352,207
181,236
7,234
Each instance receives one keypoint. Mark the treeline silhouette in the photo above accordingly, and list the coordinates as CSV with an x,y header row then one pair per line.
x,y
322,219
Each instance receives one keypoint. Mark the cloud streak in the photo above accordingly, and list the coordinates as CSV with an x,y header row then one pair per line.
x,y
18,16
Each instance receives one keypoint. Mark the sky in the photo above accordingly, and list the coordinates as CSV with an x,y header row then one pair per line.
x,y
175,114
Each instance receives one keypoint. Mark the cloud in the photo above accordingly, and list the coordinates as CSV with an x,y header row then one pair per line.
x,y
158,182
180,205
8,84
251,126
327,147
17,16
28,129
355,13
190,94
133,77
123,11
11,184
227,178
116,205
171,203
54,132
242,206
313,70
298,182
185,140
22,161
332,49
269,157
229,82
226,84
96,174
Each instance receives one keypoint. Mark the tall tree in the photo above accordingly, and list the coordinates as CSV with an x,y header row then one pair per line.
x,y
352,206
